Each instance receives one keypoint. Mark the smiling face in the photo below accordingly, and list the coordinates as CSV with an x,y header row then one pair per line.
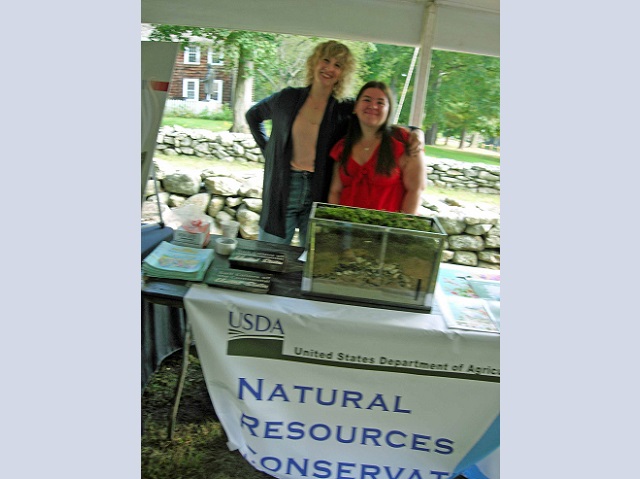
x,y
372,107
328,72
325,57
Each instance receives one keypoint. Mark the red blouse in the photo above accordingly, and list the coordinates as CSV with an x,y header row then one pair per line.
x,y
364,188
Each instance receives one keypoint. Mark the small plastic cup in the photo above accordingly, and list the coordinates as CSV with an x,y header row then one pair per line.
x,y
225,246
230,229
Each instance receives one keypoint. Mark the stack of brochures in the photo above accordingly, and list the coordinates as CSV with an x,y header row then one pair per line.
x,y
177,262
468,299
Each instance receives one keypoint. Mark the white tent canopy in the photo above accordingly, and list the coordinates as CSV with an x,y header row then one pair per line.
x,y
471,26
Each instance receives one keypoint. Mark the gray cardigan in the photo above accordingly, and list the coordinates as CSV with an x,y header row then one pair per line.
x,y
281,108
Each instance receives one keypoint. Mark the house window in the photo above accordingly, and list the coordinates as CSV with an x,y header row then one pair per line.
x,y
216,91
192,56
215,58
191,89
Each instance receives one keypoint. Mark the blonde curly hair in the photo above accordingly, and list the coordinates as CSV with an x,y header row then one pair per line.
x,y
339,51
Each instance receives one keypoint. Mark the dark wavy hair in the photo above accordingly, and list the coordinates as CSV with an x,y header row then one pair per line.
x,y
385,163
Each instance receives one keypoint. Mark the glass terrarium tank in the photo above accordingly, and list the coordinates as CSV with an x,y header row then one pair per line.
x,y
372,257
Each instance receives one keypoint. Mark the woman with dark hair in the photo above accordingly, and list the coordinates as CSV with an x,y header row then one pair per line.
x,y
306,123
372,169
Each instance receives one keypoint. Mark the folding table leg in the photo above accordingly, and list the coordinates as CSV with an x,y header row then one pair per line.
x,y
183,374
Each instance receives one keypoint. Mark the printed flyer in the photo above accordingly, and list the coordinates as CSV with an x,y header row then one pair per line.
x,y
469,300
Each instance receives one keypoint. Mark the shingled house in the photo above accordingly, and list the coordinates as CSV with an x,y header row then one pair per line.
x,y
199,74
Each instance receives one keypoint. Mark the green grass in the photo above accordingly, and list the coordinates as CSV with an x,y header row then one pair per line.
x,y
198,449
462,196
489,158
196,123
203,123
195,163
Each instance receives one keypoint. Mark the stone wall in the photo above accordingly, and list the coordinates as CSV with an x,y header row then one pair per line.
x,y
218,194
174,140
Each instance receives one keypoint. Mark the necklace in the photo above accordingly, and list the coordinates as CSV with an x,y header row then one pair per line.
x,y
367,148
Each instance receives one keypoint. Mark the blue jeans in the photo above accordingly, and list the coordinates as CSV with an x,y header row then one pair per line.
x,y
298,210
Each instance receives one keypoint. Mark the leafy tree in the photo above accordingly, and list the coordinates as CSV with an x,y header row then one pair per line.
x,y
463,95
288,65
287,68
244,51
390,64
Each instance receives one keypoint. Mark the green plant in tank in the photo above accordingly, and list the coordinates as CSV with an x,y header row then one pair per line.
x,y
374,217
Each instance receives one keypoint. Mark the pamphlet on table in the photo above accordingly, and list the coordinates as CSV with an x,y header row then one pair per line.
x,y
177,262
469,300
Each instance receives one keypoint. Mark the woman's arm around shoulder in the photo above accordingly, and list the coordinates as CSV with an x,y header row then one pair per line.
x,y
414,178
412,137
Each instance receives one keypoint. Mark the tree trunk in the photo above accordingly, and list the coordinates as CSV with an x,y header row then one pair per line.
x,y
463,138
242,94
432,134
473,141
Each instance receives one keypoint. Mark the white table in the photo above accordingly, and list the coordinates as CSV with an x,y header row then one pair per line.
x,y
306,387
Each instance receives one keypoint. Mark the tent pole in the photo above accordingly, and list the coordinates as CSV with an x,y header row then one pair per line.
x,y
406,84
424,63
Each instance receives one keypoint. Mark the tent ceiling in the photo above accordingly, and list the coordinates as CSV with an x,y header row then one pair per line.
x,y
471,26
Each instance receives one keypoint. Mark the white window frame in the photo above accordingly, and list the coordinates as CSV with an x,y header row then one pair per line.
x,y
187,55
186,88
218,56
218,98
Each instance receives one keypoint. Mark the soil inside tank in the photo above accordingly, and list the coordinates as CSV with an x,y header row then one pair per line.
x,y
361,260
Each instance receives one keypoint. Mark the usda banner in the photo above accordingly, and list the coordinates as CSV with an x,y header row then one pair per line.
x,y
308,389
